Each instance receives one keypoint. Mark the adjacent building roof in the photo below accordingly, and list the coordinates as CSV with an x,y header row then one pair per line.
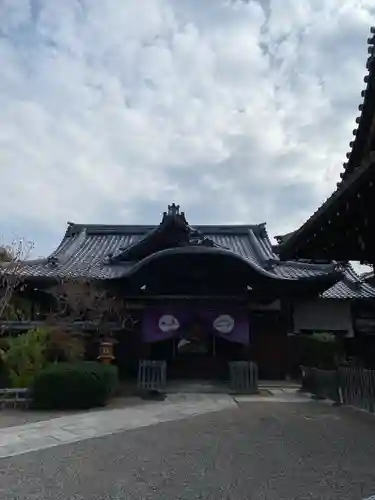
x,y
358,174
364,133
352,286
116,251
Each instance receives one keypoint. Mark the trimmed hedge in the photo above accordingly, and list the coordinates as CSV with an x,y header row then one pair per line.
x,y
79,385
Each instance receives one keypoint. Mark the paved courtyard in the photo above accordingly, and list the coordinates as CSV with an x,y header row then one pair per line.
x,y
247,450
41,431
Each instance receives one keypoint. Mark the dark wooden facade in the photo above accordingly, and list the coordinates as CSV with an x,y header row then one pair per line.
x,y
267,347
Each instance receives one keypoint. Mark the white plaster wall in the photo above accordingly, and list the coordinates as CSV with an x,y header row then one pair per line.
x,y
327,315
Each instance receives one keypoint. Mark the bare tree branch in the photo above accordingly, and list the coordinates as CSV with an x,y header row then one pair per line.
x,y
79,299
12,258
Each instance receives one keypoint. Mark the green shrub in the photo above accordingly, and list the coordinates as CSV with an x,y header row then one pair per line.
x,y
24,356
79,385
4,378
319,350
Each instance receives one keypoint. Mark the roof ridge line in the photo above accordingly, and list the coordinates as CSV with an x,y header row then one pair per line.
x,y
351,270
353,285
76,242
298,264
266,237
256,246
74,228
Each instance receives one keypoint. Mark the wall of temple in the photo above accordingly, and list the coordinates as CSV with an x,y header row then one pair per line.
x,y
273,306
323,315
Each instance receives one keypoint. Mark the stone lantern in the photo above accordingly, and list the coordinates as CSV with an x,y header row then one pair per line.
x,y
106,350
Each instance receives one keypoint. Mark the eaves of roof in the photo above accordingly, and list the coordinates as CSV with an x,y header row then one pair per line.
x,y
349,185
365,132
360,158
262,278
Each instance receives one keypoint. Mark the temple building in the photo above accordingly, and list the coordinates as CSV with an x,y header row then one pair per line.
x,y
205,295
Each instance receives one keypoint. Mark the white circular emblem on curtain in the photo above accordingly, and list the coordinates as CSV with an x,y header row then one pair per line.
x,y
224,323
168,323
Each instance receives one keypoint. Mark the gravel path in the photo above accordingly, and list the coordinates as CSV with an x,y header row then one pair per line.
x,y
261,451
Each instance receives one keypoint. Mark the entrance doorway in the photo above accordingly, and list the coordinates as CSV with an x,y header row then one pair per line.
x,y
197,353
194,355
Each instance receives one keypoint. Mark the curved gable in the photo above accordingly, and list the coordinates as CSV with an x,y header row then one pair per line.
x,y
173,232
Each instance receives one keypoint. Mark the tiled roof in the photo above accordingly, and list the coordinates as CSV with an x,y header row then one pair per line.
x,y
85,249
351,287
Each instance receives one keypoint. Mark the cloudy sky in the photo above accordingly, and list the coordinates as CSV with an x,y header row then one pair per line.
x,y
240,111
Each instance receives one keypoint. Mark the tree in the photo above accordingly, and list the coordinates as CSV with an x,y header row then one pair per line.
x,y
12,258
81,302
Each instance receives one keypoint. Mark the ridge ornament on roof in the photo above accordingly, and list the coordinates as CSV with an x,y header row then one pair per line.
x,y
173,232
174,210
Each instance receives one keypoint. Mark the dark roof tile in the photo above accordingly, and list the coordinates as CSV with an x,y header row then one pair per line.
x,y
351,287
84,249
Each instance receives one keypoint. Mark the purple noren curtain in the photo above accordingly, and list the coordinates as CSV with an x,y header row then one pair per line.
x,y
162,323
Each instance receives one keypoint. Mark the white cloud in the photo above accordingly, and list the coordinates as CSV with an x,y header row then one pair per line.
x,y
239,111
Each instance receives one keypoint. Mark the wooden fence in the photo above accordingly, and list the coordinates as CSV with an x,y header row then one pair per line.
x,y
152,375
357,387
322,383
243,377
348,385
14,398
